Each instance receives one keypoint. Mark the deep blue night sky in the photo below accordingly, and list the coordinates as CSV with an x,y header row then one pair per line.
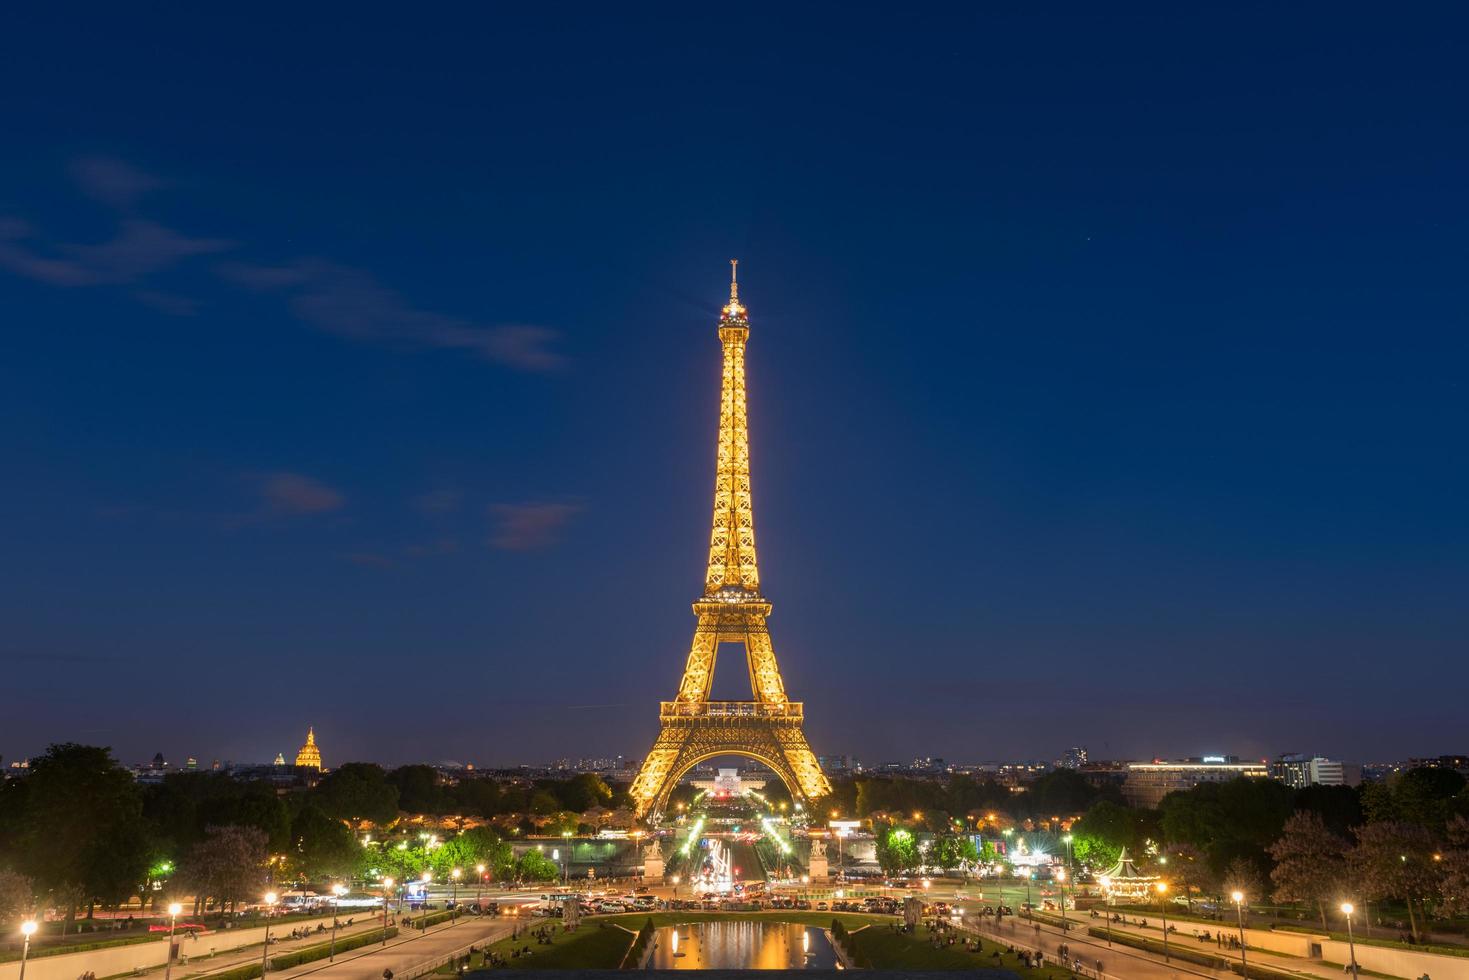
x,y
1107,375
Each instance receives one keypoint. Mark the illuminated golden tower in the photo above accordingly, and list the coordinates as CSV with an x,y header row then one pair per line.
x,y
731,610
309,755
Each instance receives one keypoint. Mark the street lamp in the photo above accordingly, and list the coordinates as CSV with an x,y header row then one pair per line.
x,y
1239,908
1067,841
566,865
676,880
1347,910
338,890
455,875
1107,890
1162,887
387,889
174,908
27,929
1061,878
479,894
270,898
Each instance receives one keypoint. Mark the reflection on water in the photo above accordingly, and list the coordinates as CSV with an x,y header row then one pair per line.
x,y
741,945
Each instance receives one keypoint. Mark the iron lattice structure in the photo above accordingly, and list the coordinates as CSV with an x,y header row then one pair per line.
x,y
731,610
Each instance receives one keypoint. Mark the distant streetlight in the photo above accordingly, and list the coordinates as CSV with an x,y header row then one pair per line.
x,y
1347,910
479,894
1162,887
27,929
387,889
676,880
1107,890
566,865
454,874
1239,909
174,908
270,899
338,890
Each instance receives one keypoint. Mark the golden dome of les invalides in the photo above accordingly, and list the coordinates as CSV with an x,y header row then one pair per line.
x,y
309,755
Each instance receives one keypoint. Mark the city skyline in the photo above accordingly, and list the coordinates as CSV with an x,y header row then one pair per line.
x,y
1086,409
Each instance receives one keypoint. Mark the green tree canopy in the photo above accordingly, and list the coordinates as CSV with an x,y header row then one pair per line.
x,y
358,792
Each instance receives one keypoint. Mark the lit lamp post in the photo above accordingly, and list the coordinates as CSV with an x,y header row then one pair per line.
x,y
1347,910
676,880
338,890
455,875
1239,908
1061,878
174,908
27,929
1107,890
566,866
1162,887
387,890
479,893
270,898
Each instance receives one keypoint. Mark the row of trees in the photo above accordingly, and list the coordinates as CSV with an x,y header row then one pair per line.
x,y
1404,841
79,831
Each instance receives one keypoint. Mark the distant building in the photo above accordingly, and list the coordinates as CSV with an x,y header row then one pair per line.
x,y
1072,758
838,763
309,756
728,784
1458,763
1299,771
1148,782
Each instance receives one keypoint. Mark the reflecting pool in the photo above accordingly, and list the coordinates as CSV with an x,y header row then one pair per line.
x,y
742,945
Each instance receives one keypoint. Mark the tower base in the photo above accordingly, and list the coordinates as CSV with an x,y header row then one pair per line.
x,y
694,731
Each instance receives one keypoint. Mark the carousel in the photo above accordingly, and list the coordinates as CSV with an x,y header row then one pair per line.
x,y
1123,881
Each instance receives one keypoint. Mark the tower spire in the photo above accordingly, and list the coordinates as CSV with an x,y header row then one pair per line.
x,y
734,310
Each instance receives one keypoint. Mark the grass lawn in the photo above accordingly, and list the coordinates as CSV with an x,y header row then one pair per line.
x,y
589,948
599,945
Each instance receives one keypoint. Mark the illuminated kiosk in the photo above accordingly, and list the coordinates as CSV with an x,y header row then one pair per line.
x,y
1124,881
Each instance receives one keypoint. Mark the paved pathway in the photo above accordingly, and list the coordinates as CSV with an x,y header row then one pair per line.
x,y
404,953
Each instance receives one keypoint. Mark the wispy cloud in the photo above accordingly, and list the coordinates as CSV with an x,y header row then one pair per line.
x,y
350,303
294,493
524,527
335,298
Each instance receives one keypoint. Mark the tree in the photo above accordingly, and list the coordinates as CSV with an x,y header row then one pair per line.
x,y
1243,875
358,792
584,791
1310,862
535,866
419,790
1456,866
16,898
227,865
323,847
1188,870
1097,839
897,850
1064,791
949,851
80,825
1394,859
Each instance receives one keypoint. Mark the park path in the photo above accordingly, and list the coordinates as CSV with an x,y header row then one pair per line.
x,y
406,957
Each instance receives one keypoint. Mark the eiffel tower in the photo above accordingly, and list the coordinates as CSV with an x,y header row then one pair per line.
x,y
731,610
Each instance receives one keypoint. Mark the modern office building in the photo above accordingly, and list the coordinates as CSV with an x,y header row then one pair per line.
x,y
1299,770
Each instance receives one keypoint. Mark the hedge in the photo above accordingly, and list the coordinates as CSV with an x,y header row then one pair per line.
x,y
1156,946
247,972
429,919
296,957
